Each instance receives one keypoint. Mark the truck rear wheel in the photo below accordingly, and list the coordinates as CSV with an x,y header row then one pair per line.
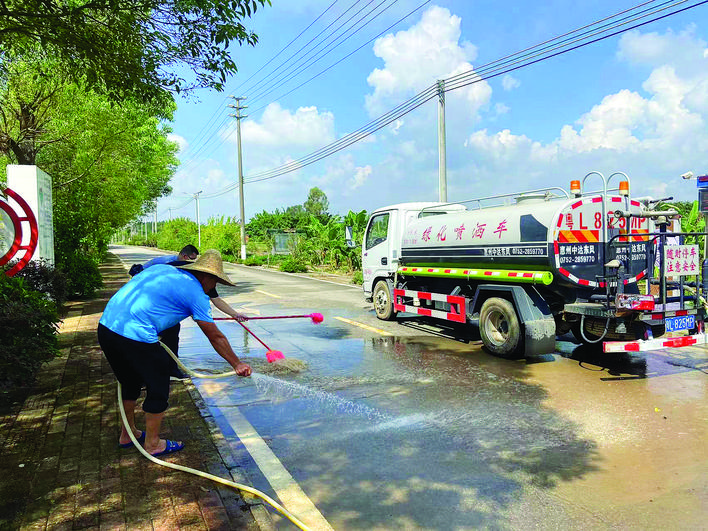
x,y
383,302
499,327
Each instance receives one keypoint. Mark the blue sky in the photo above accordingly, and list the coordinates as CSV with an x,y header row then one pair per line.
x,y
636,103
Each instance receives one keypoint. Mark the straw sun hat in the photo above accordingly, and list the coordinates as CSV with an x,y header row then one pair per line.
x,y
209,262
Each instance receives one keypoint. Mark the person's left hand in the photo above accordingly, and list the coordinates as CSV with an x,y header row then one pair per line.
x,y
240,317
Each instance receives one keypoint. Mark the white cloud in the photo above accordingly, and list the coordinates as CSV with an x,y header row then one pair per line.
x,y
683,50
396,126
510,83
415,58
278,128
361,174
500,108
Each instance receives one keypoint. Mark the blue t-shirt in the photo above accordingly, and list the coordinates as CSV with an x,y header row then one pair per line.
x,y
155,300
166,259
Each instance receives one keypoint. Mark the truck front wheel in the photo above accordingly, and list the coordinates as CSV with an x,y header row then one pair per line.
x,y
499,327
383,302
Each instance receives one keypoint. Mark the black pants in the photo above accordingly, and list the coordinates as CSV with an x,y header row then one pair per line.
x,y
170,337
136,364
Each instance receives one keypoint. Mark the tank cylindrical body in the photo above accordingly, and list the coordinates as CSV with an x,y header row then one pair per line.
x,y
566,236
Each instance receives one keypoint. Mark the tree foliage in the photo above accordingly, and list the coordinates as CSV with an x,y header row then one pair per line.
x,y
30,87
108,162
317,203
133,48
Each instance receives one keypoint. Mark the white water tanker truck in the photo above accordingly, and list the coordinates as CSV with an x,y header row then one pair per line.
x,y
538,265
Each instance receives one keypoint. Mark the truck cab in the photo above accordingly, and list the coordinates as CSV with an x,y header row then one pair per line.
x,y
381,249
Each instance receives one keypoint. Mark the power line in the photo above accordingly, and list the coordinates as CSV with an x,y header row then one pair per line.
x,y
346,56
343,142
456,82
202,135
275,69
540,50
304,64
518,60
215,141
286,46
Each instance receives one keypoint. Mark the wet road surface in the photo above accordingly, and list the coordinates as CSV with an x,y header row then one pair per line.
x,y
419,430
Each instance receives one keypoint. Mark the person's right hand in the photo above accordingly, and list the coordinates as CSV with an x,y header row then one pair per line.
x,y
243,369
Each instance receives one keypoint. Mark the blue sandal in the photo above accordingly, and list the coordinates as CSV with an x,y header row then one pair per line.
x,y
141,440
170,448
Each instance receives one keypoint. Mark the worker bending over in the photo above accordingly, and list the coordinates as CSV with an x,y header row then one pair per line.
x,y
155,300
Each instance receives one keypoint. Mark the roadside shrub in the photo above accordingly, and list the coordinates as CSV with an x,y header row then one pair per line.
x,y
224,234
293,265
28,325
83,276
41,276
358,278
255,260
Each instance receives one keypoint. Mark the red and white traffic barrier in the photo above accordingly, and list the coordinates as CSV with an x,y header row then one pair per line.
x,y
644,345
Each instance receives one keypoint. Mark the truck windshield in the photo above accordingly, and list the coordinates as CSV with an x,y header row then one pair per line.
x,y
378,230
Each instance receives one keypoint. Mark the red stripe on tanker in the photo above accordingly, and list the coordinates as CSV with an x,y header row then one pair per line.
x,y
544,233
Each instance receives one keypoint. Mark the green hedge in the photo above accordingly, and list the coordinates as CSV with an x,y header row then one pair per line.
x,y
28,326
83,276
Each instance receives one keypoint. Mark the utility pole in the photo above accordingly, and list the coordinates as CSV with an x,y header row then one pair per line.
x,y
199,227
170,211
238,117
155,222
442,159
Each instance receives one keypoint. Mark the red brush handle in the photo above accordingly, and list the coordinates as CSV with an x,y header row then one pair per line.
x,y
280,317
265,317
254,335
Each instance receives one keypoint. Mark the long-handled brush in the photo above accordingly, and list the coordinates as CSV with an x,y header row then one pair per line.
x,y
317,318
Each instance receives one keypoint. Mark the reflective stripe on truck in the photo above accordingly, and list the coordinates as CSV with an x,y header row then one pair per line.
x,y
526,277
458,305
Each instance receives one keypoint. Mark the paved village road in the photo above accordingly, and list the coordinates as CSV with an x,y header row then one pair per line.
x,y
403,426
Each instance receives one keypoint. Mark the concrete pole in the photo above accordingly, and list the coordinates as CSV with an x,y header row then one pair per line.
x,y
238,117
240,192
442,158
199,225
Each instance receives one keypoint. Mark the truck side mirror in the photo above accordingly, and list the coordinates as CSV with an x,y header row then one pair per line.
x,y
349,236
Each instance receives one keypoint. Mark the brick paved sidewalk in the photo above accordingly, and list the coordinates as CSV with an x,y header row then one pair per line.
x,y
61,467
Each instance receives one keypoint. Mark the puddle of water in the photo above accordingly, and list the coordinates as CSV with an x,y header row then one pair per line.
x,y
286,390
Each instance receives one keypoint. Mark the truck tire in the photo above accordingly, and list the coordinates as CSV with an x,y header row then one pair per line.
x,y
499,327
383,301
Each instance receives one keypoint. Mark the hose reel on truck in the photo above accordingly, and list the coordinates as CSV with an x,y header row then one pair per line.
x,y
567,256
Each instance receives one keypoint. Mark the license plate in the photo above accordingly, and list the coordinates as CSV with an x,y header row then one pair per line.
x,y
684,322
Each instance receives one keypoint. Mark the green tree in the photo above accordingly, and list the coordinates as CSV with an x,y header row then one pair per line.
x,y
30,87
108,161
118,162
316,203
131,48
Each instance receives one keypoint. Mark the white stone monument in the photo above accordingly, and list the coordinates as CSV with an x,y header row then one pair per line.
x,y
35,187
